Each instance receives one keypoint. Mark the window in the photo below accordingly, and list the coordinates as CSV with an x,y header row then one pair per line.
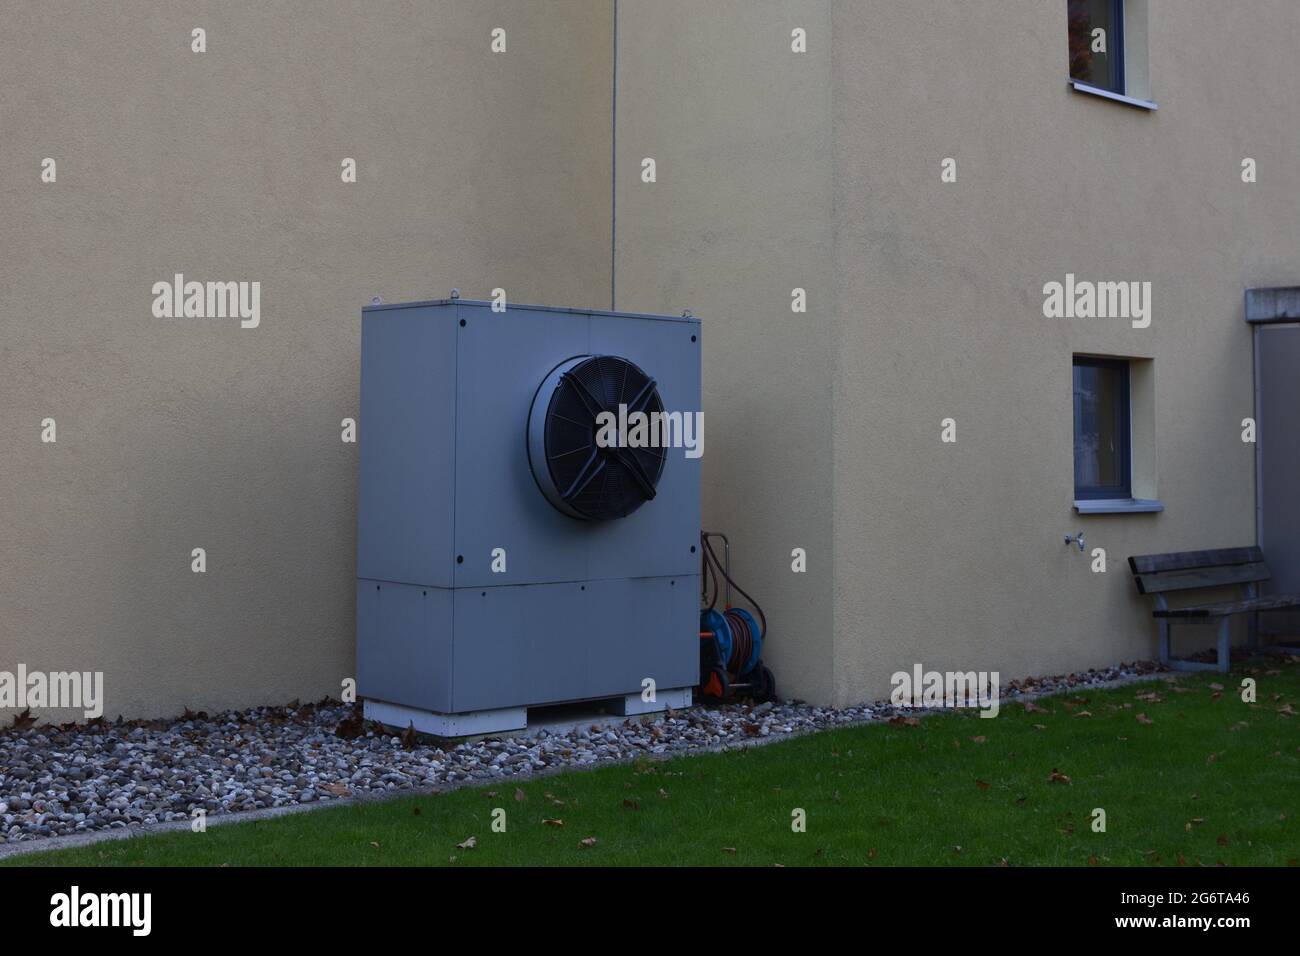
x,y
1102,450
1097,43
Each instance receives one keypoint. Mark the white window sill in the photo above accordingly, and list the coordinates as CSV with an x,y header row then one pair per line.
x,y
1117,506
1117,97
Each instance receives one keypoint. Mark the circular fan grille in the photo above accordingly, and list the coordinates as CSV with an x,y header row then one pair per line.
x,y
591,481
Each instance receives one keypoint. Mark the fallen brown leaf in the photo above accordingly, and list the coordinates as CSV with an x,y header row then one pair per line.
x,y
349,728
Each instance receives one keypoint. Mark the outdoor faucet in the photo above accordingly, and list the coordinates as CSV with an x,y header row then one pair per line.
x,y
1077,540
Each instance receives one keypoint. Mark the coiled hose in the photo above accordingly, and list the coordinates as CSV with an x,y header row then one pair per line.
x,y
739,636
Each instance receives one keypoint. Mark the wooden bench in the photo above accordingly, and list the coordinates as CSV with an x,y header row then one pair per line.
x,y
1158,574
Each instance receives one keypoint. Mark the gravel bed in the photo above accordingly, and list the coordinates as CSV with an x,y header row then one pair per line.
x,y
103,775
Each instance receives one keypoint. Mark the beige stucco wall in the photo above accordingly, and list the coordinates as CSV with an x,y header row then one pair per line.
x,y
475,170
952,554
740,214
775,170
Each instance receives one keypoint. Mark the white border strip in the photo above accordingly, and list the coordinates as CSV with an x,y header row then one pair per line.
x,y
1117,97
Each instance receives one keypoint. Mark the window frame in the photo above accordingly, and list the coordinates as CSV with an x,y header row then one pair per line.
x,y
1124,432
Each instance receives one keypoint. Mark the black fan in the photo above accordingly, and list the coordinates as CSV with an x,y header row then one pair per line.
x,y
587,480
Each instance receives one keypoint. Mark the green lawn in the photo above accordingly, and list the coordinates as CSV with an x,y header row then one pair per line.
x,y
1193,776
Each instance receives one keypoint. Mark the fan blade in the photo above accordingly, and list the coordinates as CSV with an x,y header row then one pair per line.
x,y
629,461
589,401
642,397
592,467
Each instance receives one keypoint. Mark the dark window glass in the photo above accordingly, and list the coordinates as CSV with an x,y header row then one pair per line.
x,y
1089,63
1101,429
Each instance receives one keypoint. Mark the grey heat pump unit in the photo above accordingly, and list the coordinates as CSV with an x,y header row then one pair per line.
x,y
506,557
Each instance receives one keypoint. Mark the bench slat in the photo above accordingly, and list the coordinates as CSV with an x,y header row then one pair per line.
x,y
1187,560
1233,607
1214,577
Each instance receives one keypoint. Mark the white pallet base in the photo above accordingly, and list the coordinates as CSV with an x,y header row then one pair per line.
x,y
469,724
480,722
679,698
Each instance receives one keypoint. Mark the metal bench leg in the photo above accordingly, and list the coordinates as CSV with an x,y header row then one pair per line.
x,y
1252,630
1225,633
1164,641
